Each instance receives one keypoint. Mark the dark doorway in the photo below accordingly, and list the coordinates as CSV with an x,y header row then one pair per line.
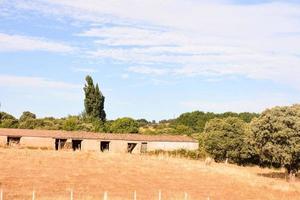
x,y
104,146
76,145
130,147
60,143
13,141
144,147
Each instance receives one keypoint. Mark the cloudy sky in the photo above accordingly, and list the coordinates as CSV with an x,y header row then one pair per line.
x,y
153,59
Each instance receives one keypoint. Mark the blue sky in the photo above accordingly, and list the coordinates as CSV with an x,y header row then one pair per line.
x,y
152,59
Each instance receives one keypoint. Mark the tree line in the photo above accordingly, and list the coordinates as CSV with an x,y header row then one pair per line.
x,y
269,139
190,124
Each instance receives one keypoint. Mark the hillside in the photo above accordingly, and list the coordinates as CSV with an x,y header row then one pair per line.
x,y
52,174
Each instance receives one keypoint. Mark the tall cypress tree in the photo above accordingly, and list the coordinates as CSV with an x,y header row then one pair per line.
x,y
94,100
100,103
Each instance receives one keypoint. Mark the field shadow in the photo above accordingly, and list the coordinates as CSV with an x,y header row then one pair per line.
x,y
278,175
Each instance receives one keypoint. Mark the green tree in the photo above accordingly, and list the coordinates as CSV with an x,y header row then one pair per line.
x,y
196,120
27,115
94,100
4,115
28,121
99,104
31,123
124,125
225,139
8,121
276,135
183,130
247,117
71,123
142,122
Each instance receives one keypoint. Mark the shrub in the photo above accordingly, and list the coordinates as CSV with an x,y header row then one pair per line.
x,y
30,123
124,125
71,123
182,153
183,130
225,139
27,116
276,136
9,123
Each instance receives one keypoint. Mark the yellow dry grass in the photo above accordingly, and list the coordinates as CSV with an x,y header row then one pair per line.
x,y
52,174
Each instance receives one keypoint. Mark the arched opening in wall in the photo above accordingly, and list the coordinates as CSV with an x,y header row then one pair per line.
x,y
60,143
104,146
76,145
144,147
13,141
130,147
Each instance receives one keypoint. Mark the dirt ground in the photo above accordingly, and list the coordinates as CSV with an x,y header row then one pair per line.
x,y
52,175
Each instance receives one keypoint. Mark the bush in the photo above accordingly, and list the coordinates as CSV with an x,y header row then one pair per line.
x,y
27,116
4,115
30,123
196,120
226,139
182,153
124,125
276,136
142,122
71,123
183,130
9,123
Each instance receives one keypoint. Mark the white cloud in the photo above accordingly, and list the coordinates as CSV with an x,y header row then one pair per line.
x,y
34,82
129,36
261,103
124,76
209,38
147,70
24,43
85,70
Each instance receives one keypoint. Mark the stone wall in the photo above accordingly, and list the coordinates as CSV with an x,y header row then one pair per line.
x,y
115,146
38,142
90,145
3,140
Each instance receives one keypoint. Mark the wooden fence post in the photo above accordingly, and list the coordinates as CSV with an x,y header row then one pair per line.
x,y
33,195
134,195
159,195
1,194
185,196
71,194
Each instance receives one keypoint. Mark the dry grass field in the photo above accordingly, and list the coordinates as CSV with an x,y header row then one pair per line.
x,y
52,174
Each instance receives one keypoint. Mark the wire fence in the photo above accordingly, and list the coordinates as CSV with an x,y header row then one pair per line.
x,y
105,196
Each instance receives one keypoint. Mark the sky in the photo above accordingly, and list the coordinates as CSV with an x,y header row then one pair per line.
x,y
152,59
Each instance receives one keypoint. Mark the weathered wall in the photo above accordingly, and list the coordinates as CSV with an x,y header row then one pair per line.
x,y
120,146
3,140
38,142
115,146
90,145
169,146
137,148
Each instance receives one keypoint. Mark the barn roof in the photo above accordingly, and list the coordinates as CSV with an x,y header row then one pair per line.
x,y
90,135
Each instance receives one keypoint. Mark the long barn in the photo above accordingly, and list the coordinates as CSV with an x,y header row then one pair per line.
x,y
88,141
